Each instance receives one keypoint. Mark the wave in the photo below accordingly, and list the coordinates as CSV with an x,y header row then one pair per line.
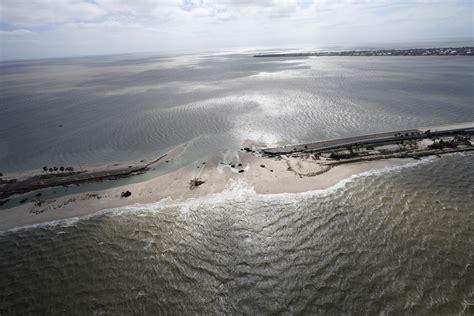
x,y
55,223
236,191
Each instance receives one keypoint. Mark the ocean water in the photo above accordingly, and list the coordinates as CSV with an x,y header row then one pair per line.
x,y
393,241
95,110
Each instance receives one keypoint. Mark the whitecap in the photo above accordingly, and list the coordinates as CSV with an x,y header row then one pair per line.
x,y
236,191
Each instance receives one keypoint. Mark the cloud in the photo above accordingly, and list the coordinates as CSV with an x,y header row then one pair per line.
x,y
15,33
45,12
75,27
139,8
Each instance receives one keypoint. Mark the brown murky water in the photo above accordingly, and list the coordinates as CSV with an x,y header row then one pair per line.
x,y
393,242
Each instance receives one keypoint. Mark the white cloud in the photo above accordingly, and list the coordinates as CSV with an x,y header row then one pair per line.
x,y
44,12
138,7
15,33
75,27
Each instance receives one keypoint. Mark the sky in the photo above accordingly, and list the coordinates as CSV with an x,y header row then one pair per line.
x,y
56,28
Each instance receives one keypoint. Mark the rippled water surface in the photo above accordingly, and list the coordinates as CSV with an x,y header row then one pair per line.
x,y
393,242
100,109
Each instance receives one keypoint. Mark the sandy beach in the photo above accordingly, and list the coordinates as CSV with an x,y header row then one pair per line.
x,y
287,170
219,171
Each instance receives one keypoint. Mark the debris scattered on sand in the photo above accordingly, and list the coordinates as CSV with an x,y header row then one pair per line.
x,y
126,194
193,183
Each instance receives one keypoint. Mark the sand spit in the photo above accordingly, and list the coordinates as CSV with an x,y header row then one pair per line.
x,y
265,175
297,169
35,180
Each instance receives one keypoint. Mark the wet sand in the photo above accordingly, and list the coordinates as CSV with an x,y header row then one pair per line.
x,y
32,180
217,172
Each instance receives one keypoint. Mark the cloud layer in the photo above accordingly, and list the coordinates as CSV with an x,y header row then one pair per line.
x,y
46,28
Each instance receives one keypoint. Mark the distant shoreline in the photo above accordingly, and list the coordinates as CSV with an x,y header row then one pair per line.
x,y
439,51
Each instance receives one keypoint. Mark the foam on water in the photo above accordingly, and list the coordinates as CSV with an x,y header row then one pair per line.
x,y
51,224
395,240
386,241
236,191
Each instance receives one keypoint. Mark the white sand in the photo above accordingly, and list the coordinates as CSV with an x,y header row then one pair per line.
x,y
273,178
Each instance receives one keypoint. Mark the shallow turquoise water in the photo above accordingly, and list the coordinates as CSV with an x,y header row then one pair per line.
x,y
392,242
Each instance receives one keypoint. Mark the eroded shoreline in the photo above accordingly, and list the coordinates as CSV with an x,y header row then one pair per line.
x,y
174,188
295,171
